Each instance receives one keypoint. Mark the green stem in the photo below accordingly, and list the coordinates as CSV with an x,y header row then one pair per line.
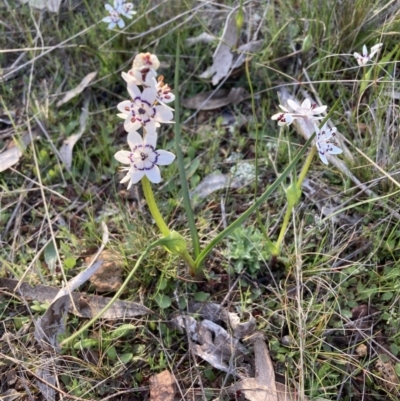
x,y
291,205
181,164
151,203
114,298
254,207
306,166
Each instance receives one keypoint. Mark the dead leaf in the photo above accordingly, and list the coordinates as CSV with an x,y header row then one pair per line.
x,y
76,91
52,5
243,52
68,145
263,387
213,343
212,100
223,57
47,328
87,306
162,387
52,323
202,38
14,152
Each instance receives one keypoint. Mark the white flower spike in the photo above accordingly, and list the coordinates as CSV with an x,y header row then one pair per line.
x,y
114,17
143,159
141,111
326,143
124,8
363,59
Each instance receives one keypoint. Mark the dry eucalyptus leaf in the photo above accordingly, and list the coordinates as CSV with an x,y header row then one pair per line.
x,y
211,184
52,323
87,306
213,343
52,5
162,386
76,91
46,372
68,145
212,100
223,57
263,387
202,38
14,152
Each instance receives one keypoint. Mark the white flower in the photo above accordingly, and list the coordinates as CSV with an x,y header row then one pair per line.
x,y
143,159
143,71
306,110
326,144
138,77
164,94
141,111
114,17
124,8
146,61
363,59
283,118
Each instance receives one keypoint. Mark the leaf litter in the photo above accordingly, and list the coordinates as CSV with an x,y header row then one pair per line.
x,y
225,351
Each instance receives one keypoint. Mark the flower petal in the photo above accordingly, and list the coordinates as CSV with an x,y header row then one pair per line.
x,y
154,175
134,91
126,178
323,158
163,113
165,158
149,95
151,127
134,139
365,51
293,105
123,156
107,19
108,7
306,105
319,110
283,109
121,23
137,175
125,107
131,126
333,150
151,138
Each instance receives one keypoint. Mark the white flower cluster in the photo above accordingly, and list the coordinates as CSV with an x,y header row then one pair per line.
x,y
325,137
121,9
147,110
